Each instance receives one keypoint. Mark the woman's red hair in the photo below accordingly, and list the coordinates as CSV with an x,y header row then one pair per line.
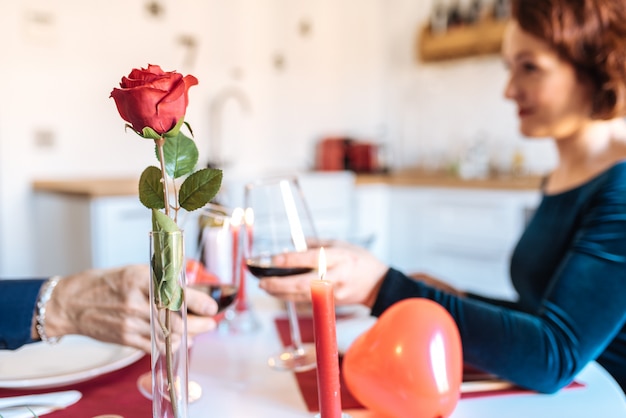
x,y
591,35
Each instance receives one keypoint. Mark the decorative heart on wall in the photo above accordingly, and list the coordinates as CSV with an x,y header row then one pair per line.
x,y
409,364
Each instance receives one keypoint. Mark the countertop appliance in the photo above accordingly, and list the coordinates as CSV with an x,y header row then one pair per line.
x,y
345,153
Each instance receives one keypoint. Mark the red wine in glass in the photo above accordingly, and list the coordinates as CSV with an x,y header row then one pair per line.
x,y
223,294
260,269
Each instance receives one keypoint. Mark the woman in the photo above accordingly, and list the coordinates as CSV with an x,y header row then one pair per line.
x,y
567,74
110,305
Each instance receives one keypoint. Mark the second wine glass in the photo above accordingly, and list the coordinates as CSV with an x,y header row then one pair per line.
x,y
215,269
220,261
282,223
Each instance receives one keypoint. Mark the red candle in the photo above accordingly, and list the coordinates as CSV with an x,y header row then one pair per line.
x,y
242,303
328,386
235,223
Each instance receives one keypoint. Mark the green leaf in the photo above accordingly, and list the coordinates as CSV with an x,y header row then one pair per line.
x,y
127,127
151,188
189,127
167,261
181,155
163,223
199,188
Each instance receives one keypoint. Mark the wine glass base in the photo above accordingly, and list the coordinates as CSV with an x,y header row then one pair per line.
x,y
239,322
144,384
295,360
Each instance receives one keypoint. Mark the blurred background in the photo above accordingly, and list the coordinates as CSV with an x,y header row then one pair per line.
x,y
276,77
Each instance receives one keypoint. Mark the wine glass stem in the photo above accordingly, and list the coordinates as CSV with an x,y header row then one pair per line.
x,y
294,326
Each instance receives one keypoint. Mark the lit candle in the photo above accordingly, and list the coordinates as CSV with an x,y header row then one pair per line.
x,y
242,303
328,386
235,223
249,220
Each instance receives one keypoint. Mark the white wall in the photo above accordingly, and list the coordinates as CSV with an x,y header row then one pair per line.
x,y
437,110
354,73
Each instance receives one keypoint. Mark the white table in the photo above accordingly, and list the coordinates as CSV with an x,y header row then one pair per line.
x,y
237,382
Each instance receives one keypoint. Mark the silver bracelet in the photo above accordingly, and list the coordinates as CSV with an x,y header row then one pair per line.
x,y
45,293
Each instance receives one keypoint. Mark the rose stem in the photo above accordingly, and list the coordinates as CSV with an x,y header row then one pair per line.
x,y
168,313
159,142
168,360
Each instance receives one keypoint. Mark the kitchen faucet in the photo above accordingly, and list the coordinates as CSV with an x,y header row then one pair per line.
x,y
216,109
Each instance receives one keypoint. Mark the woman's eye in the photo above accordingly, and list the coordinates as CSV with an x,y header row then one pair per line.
x,y
529,67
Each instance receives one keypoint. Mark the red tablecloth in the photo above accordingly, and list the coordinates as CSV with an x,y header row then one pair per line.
x,y
307,381
114,393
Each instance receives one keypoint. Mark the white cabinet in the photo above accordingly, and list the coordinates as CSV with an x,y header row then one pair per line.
x,y
464,236
119,231
371,217
77,232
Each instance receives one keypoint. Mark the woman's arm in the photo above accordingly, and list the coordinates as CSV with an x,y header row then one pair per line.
x,y
569,320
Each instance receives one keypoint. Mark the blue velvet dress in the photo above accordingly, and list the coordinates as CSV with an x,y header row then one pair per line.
x,y
569,269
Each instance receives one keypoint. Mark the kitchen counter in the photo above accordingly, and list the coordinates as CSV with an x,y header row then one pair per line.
x,y
103,187
89,187
417,177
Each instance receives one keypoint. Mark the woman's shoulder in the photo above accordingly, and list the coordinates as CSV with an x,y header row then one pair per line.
x,y
610,182
615,174
609,186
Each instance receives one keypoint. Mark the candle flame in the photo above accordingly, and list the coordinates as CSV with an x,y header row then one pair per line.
x,y
237,217
321,266
249,217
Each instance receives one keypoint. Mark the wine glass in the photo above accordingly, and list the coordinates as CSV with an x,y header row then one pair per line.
x,y
215,270
218,267
282,223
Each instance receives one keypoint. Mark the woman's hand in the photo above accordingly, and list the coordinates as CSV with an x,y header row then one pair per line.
x,y
112,305
355,273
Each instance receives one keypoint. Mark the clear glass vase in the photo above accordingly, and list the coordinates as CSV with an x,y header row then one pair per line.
x,y
168,317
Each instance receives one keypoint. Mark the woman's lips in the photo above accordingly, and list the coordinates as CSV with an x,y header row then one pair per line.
x,y
522,112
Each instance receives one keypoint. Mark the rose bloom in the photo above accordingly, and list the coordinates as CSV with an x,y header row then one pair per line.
x,y
153,98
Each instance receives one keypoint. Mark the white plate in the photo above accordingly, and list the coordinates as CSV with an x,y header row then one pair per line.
x,y
74,359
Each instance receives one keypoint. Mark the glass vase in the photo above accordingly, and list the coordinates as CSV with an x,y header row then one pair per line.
x,y
168,318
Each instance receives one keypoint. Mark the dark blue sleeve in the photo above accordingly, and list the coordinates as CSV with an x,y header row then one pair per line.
x,y
579,315
17,306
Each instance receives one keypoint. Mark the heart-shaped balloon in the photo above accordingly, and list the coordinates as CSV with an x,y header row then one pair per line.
x,y
409,364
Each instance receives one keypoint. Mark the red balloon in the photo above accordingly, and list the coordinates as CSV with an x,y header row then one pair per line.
x,y
409,364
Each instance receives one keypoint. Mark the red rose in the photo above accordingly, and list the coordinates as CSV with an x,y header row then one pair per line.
x,y
153,98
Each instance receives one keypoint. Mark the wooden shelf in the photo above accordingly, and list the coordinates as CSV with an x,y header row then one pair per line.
x,y
463,41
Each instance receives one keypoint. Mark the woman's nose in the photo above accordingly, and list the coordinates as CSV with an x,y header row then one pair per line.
x,y
510,90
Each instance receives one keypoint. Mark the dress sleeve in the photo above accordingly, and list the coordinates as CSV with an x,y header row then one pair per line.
x,y
17,306
581,311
